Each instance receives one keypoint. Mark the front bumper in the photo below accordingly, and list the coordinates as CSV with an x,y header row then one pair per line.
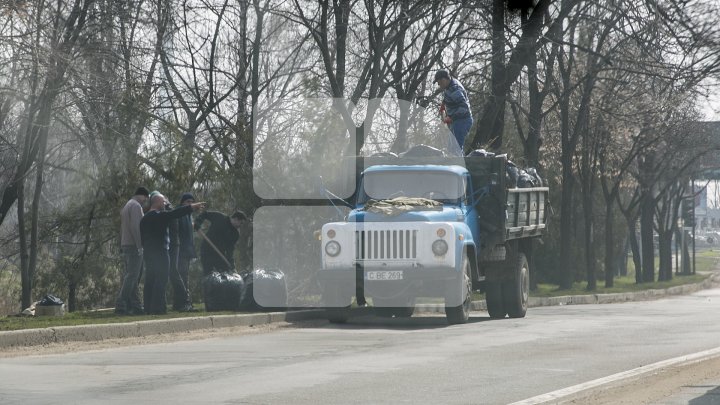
x,y
416,282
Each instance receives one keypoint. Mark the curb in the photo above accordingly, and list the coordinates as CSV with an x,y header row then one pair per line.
x,y
92,333
612,298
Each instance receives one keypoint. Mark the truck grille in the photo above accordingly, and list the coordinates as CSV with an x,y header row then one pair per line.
x,y
385,245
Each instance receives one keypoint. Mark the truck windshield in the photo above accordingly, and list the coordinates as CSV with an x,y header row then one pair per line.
x,y
439,186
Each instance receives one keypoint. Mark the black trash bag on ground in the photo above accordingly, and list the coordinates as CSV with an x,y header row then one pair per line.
x,y
223,291
264,287
49,300
423,151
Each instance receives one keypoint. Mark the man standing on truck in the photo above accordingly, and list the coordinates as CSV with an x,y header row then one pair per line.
x,y
455,110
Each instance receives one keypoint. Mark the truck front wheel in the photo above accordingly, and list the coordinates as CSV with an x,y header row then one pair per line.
x,y
517,291
461,313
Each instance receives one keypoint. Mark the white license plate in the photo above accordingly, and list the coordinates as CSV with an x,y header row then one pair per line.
x,y
384,275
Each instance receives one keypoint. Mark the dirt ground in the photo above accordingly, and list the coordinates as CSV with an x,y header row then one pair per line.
x,y
654,388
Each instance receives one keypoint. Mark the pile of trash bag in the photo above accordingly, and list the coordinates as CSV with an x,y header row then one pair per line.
x,y
223,291
259,289
264,290
515,177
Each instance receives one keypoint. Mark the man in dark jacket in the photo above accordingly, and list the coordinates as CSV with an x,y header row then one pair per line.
x,y
456,106
223,235
156,242
180,259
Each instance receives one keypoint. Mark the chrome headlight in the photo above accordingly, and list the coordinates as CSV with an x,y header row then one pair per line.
x,y
332,248
439,247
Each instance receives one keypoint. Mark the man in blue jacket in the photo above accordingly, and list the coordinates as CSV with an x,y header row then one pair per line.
x,y
456,110
181,258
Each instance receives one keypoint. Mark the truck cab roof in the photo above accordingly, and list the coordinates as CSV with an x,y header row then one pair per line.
x,y
440,168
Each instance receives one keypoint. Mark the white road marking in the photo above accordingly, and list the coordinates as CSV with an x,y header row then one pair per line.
x,y
650,368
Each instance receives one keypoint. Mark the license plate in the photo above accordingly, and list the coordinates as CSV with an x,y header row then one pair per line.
x,y
384,275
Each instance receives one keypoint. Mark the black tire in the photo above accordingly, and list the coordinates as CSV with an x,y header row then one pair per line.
x,y
335,310
461,313
517,291
494,300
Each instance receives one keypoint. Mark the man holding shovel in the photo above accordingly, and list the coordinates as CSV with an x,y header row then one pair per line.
x,y
218,246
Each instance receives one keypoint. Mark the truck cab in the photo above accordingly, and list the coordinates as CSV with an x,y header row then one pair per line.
x,y
417,230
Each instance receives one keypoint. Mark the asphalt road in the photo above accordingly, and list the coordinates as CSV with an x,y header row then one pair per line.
x,y
373,360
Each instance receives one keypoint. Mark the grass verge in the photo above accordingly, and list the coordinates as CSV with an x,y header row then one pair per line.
x,y
707,261
92,318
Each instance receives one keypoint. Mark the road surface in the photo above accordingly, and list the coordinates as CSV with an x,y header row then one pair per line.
x,y
375,360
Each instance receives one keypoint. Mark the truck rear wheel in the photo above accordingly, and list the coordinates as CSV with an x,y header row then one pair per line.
x,y
461,313
494,300
517,291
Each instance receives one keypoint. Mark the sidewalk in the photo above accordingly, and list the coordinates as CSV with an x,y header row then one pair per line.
x,y
99,332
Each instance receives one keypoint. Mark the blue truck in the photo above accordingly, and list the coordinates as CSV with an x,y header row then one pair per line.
x,y
433,227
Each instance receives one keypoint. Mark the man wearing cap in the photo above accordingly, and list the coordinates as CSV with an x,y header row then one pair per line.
x,y
180,265
156,242
456,107
128,300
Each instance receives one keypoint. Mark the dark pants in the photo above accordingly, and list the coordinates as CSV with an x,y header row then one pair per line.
x,y
157,268
129,297
459,129
179,269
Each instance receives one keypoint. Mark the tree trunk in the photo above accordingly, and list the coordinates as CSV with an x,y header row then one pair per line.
x,y
647,210
494,114
610,259
22,235
635,248
665,248
531,146
494,111
400,144
72,296
589,240
567,272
